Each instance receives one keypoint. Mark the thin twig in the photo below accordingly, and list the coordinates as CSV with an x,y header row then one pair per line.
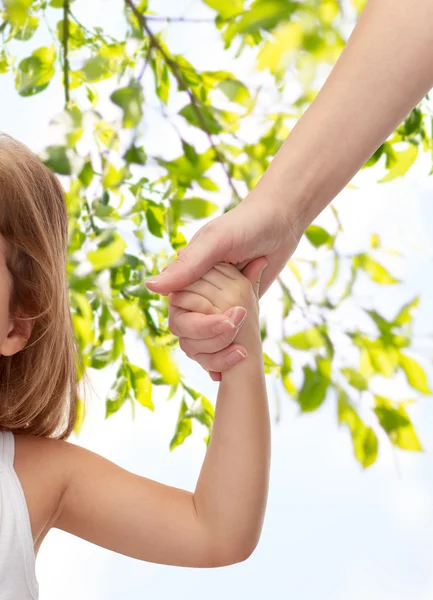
x,y
174,68
65,50
179,19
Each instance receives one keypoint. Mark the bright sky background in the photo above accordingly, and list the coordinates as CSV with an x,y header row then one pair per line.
x,y
332,531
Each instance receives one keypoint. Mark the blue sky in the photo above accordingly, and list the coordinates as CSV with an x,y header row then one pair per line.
x,y
332,531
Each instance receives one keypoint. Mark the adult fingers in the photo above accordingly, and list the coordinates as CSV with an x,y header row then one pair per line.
x,y
203,252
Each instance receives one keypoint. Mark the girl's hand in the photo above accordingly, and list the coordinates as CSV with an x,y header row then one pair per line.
x,y
222,288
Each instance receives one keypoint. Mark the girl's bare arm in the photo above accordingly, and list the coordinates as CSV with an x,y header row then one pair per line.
x,y
220,522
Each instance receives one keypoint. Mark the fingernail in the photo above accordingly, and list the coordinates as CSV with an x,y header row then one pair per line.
x,y
235,357
238,315
223,326
159,276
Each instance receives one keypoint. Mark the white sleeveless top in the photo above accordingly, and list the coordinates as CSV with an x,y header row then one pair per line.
x,y
17,555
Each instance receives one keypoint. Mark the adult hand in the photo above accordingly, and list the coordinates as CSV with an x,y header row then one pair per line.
x,y
252,229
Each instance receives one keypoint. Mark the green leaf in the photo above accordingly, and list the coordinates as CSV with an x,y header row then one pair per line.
x,y
236,91
58,160
413,122
306,340
396,422
35,72
27,29
17,11
355,379
76,37
194,207
226,8
183,427
135,155
415,374
141,385
334,275
377,272
117,396
155,220
162,79
313,391
317,235
97,68
130,100
100,358
162,361
206,122
288,301
109,252
265,14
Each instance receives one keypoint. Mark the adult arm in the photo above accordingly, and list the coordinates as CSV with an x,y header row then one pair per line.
x,y
383,72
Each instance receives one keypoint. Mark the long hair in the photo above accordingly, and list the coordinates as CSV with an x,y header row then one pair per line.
x,y
38,384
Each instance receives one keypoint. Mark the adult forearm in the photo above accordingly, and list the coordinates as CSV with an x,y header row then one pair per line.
x,y
385,69
232,489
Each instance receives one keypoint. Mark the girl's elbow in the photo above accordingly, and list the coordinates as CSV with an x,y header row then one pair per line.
x,y
231,554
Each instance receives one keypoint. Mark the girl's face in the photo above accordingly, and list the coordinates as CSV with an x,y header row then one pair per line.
x,y
10,341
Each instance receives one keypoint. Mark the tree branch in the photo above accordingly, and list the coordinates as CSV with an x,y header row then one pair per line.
x,y
179,19
174,68
66,49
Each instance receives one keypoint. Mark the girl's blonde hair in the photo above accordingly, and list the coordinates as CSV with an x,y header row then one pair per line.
x,y
38,385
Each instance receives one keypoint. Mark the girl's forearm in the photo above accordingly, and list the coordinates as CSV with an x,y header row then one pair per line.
x,y
231,492
384,71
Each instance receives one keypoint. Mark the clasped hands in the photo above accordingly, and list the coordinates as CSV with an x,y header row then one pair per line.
x,y
244,235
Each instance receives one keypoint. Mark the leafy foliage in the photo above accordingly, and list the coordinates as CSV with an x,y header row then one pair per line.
x,y
115,180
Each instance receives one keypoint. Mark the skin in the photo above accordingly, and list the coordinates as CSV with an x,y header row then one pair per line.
x,y
78,491
384,71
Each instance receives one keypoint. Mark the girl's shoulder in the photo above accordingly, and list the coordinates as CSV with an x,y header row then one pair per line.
x,y
39,464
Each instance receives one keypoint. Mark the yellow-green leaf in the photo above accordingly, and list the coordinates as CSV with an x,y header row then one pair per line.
x,y
355,378
396,422
415,374
306,340
108,255
405,160
287,39
163,361
79,416
364,440
130,312
142,386
317,235
377,272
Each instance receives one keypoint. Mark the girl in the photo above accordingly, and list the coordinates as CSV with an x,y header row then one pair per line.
x,y
48,482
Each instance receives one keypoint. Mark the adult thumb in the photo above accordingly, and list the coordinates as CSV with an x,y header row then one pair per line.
x,y
253,272
192,263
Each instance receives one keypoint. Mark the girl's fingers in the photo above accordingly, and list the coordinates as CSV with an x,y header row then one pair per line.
x,y
223,360
215,376
203,288
229,270
192,347
192,302
197,326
